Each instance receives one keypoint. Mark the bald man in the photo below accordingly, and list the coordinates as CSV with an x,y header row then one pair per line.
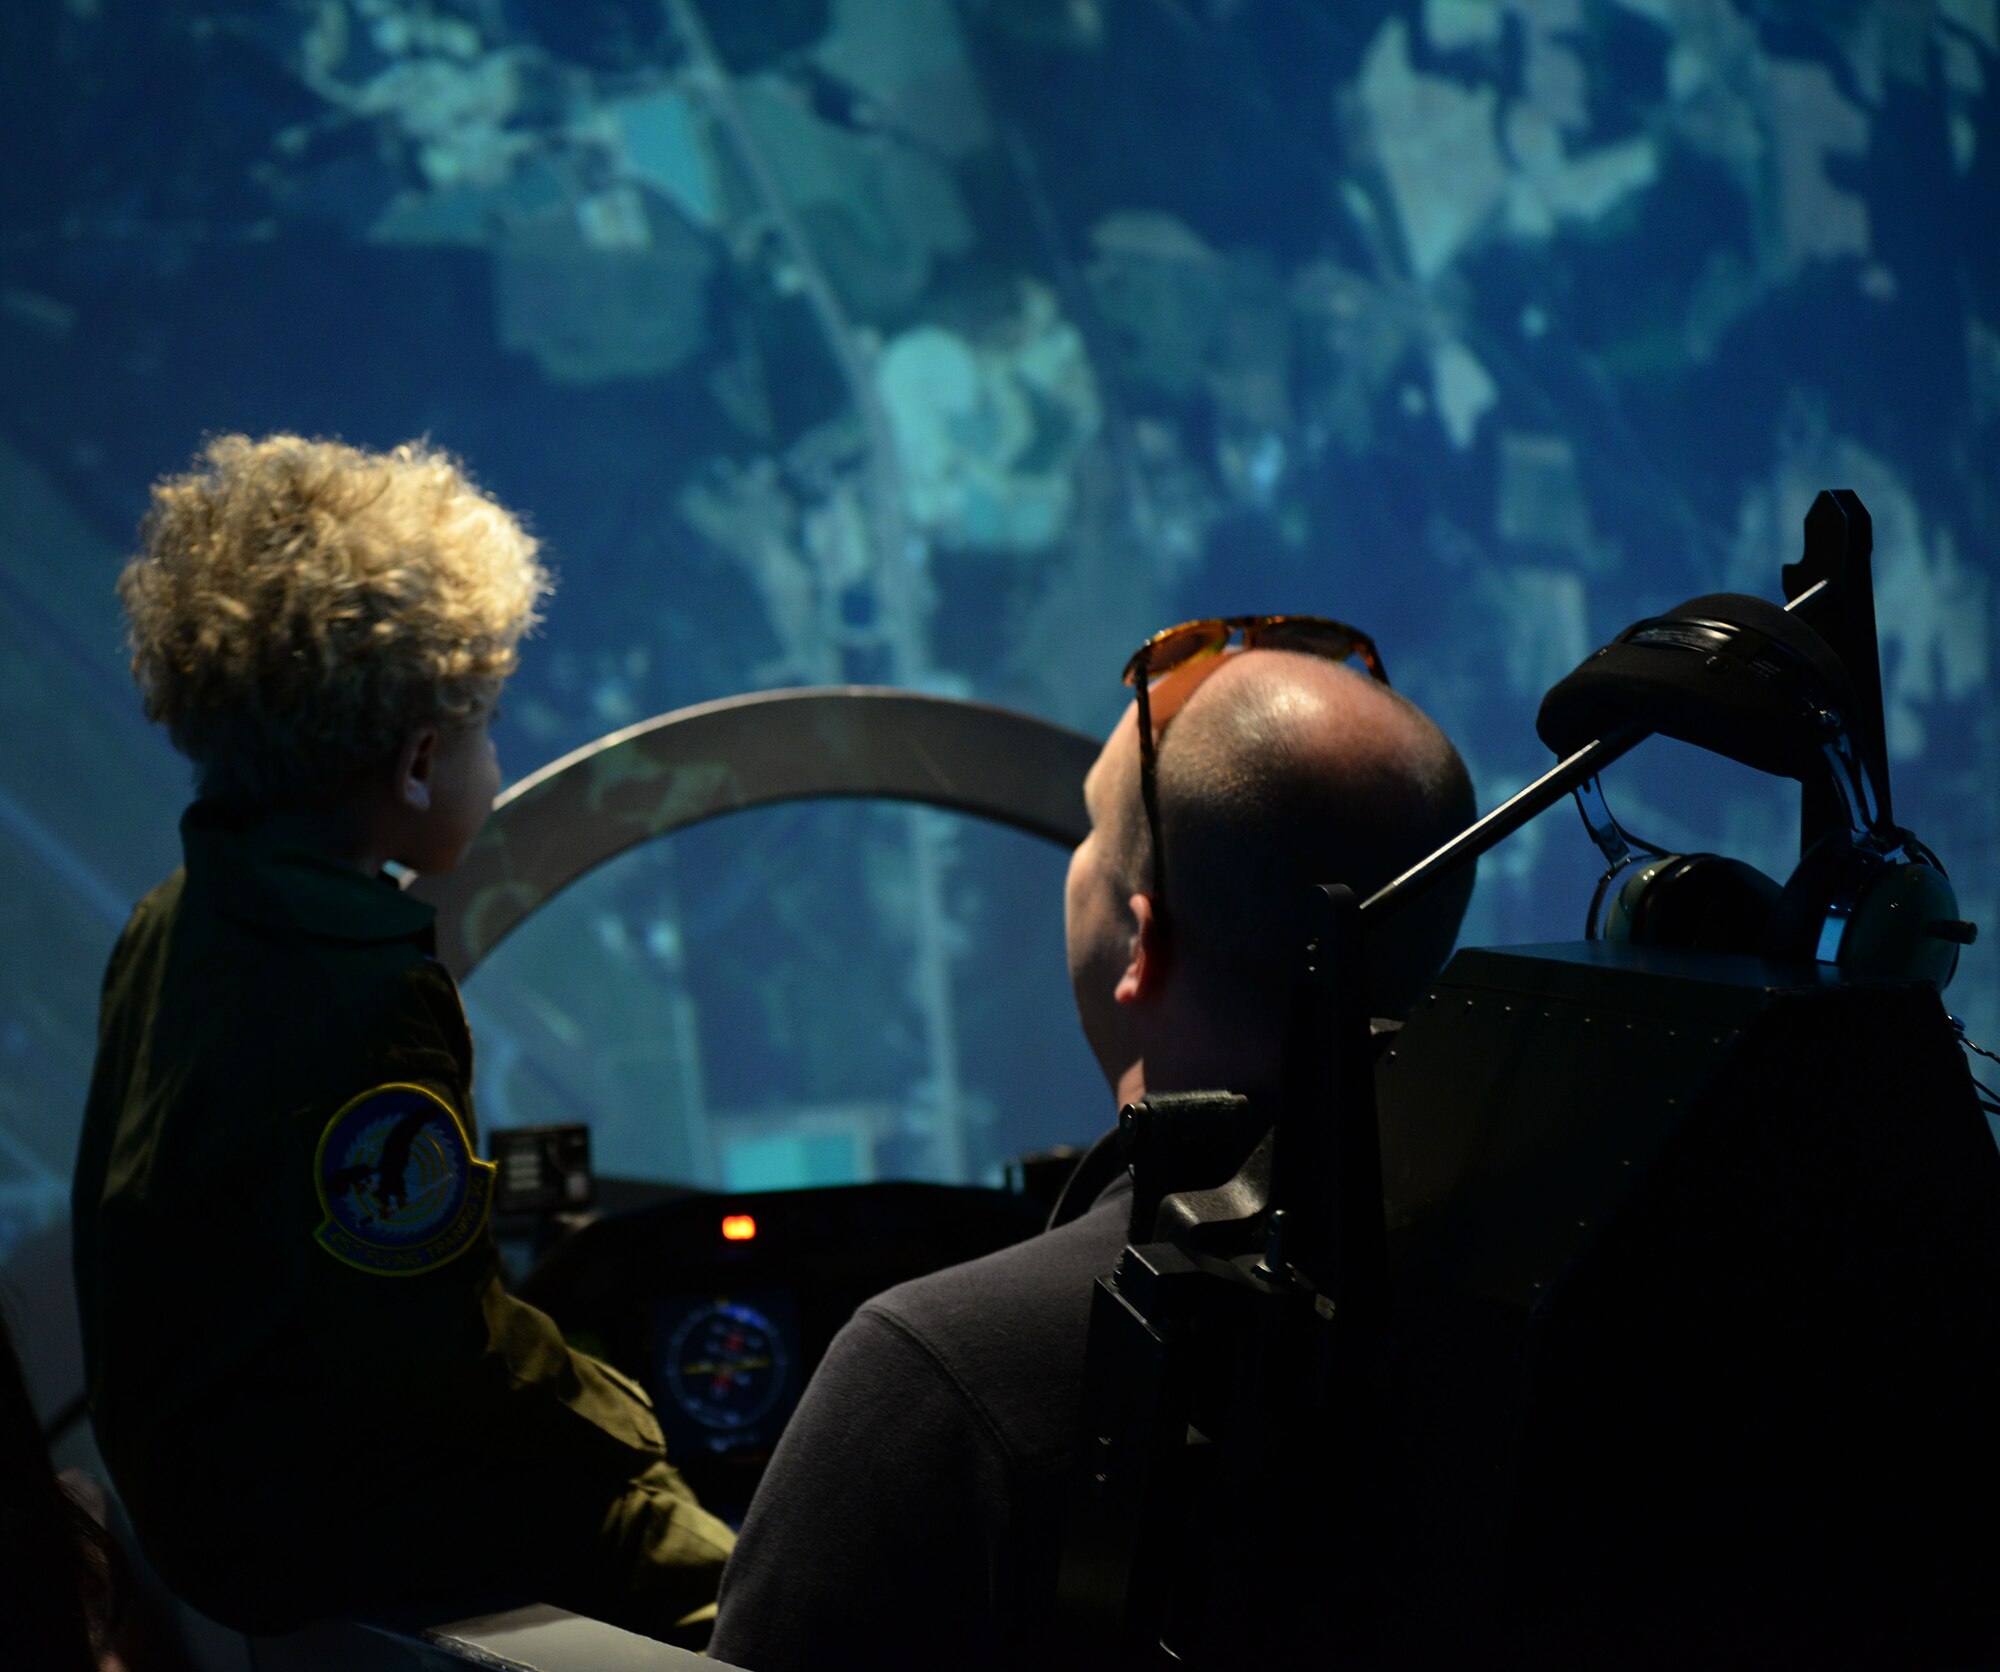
x,y
911,1515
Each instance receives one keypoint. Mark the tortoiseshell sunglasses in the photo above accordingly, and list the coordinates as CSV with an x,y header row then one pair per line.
x,y
1175,647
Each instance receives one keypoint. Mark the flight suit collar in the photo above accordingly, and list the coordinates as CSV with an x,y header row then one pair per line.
x,y
257,880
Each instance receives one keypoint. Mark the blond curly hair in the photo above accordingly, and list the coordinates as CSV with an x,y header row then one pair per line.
x,y
296,606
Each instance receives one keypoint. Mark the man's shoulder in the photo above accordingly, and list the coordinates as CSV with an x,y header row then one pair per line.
x,y
1020,1284
1009,1329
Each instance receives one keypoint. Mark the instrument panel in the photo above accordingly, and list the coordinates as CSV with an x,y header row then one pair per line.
x,y
726,1365
723,1305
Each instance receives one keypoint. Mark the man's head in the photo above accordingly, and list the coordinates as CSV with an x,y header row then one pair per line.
x,y
313,622
1276,770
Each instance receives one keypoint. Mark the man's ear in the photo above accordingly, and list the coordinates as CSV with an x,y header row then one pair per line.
x,y
1145,970
413,768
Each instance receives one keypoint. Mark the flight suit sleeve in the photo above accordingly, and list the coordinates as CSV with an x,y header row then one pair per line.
x,y
398,1272
868,1542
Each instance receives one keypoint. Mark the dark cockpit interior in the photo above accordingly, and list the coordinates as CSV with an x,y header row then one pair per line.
x,y
1526,1329
872,376
723,1305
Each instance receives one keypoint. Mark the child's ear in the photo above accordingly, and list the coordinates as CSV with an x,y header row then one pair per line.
x,y
413,768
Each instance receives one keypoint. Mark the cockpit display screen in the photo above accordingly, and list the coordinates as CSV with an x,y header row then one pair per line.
x,y
726,1368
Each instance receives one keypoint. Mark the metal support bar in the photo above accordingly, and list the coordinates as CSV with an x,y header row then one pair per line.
x,y
1326,1184
1837,563
1811,602
1504,820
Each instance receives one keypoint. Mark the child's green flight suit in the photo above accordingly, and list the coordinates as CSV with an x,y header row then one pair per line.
x,y
314,1395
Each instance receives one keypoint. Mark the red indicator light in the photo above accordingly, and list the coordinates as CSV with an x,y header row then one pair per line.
x,y
738,1227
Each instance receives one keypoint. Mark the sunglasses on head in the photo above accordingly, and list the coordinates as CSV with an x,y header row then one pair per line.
x,y
1176,647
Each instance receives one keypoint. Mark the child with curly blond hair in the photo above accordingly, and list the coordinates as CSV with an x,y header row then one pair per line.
x,y
313,1393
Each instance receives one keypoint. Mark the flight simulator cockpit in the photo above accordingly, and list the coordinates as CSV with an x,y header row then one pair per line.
x,y
1625,1307
815,402
1629,1305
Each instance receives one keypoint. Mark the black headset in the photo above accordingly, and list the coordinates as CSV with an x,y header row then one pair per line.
x,y
1748,680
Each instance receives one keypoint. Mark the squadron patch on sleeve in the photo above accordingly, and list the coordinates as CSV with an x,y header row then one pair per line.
x,y
400,1187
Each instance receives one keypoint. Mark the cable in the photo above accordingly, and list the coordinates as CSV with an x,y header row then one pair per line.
x,y
1958,1027
1988,1099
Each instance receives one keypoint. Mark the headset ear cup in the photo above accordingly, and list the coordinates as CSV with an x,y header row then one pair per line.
x,y
1711,904
1823,873
1701,902
1620,891
1891,936
1891,902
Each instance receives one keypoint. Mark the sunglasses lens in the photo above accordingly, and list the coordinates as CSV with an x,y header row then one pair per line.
x,y
1332,639
1175,646
1319,638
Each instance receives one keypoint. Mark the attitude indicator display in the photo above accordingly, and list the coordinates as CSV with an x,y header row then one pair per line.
x,y
726,1365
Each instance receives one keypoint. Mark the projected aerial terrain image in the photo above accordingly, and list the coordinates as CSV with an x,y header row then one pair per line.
x,y
957,345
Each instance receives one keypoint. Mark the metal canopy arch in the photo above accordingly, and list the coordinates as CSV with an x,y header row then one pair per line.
x,y
695,764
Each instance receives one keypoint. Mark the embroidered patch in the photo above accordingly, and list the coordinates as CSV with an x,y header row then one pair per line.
x,y
400,1187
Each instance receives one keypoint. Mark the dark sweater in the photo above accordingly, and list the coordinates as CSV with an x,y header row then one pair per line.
x,y
911,1514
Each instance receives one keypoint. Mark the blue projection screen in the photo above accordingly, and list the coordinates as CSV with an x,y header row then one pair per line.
x,y
958,346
